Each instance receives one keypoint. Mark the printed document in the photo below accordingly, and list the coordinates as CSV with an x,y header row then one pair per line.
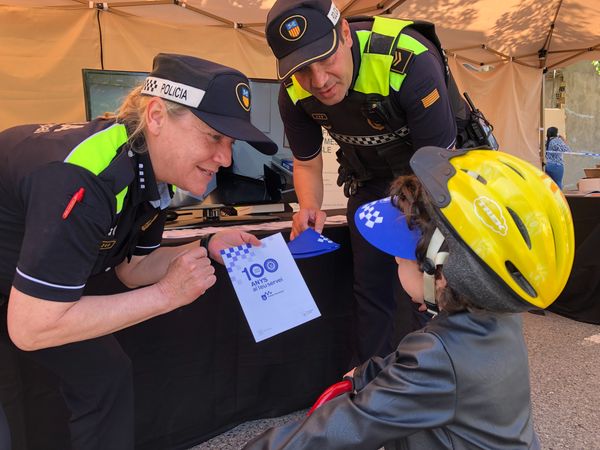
x,y
269,286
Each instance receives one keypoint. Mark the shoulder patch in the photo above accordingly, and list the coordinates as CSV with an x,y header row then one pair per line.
x,y
402,59
430,98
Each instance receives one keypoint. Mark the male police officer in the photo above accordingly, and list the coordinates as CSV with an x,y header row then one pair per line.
x,y
379,88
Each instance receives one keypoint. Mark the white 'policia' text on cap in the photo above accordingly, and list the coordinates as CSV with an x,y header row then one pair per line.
x,y
175,92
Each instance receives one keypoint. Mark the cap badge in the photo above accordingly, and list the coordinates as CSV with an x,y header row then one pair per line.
x,y
242,92
293,28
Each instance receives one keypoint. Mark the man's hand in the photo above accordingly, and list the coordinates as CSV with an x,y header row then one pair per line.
x,y
306,218
228,239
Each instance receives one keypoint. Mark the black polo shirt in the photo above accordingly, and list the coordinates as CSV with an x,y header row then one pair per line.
x,y
428,126
46,256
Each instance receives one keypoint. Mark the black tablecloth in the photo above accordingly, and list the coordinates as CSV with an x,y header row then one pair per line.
x,y
580,300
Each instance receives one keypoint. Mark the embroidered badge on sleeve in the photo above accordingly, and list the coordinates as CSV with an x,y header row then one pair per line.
x,y
430,98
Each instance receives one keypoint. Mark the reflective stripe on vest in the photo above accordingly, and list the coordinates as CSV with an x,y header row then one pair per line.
x,y
374,76
97,151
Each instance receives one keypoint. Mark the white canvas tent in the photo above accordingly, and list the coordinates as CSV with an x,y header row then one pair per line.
x,y
44,44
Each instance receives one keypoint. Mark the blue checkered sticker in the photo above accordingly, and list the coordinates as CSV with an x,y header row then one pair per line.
x,y
324,239
370,214
235,255
384,226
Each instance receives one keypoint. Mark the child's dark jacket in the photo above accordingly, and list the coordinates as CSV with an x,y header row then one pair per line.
x,y
462,382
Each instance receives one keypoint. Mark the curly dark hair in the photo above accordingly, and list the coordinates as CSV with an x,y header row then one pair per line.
x,y
409,196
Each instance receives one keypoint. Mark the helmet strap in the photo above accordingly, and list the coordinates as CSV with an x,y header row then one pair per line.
x,y
433,259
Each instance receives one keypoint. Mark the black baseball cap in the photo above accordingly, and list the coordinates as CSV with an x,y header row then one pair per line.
x,y
301,32
218,95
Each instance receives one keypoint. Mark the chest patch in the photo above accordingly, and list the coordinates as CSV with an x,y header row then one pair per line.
x,y
320,117
107,245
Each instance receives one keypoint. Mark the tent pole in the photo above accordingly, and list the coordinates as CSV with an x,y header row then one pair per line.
x,y
245,27
542,123
571,50
543,52
559,63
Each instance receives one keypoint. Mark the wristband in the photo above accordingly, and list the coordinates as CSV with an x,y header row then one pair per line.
x,y
204,240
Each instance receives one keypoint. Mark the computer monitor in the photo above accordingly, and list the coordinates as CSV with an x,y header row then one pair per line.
x,y
104,90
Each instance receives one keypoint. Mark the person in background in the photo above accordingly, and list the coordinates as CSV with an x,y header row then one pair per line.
x,y
378,87
80,199
480,253
555,147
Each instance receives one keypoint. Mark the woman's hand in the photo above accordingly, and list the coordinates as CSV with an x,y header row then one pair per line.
x,y
228,239
188,277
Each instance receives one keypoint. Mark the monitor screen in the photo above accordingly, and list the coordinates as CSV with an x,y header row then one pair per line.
x,y
252,178
104,90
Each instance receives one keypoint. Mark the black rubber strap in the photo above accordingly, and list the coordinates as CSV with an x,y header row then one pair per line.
x,y
204,240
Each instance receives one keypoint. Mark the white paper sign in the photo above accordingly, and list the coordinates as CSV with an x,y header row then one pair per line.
x,y
269,286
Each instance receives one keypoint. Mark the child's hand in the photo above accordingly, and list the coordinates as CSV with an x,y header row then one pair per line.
x,y
350,373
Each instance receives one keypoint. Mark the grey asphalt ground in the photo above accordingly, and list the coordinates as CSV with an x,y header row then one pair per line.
x,y
564,358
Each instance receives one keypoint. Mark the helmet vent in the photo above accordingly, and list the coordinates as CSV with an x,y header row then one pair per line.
x,y
520,226
520,279
513,168
475,175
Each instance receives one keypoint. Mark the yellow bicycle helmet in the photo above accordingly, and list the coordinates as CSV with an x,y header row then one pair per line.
x,y
507,225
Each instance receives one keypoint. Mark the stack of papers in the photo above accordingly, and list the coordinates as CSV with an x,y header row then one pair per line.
x,y
310,243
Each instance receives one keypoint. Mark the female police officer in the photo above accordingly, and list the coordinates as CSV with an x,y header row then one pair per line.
x,y
78,199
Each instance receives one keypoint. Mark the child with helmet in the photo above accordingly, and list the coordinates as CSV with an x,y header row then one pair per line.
x,y
482,236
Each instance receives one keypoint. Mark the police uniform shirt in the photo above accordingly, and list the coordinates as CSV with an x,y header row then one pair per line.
x,y
54,257
431,125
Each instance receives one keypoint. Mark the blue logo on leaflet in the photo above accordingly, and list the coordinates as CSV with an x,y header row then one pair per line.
x,y
271,265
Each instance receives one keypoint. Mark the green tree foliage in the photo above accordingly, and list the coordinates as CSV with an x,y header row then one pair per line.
x,y
596,64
